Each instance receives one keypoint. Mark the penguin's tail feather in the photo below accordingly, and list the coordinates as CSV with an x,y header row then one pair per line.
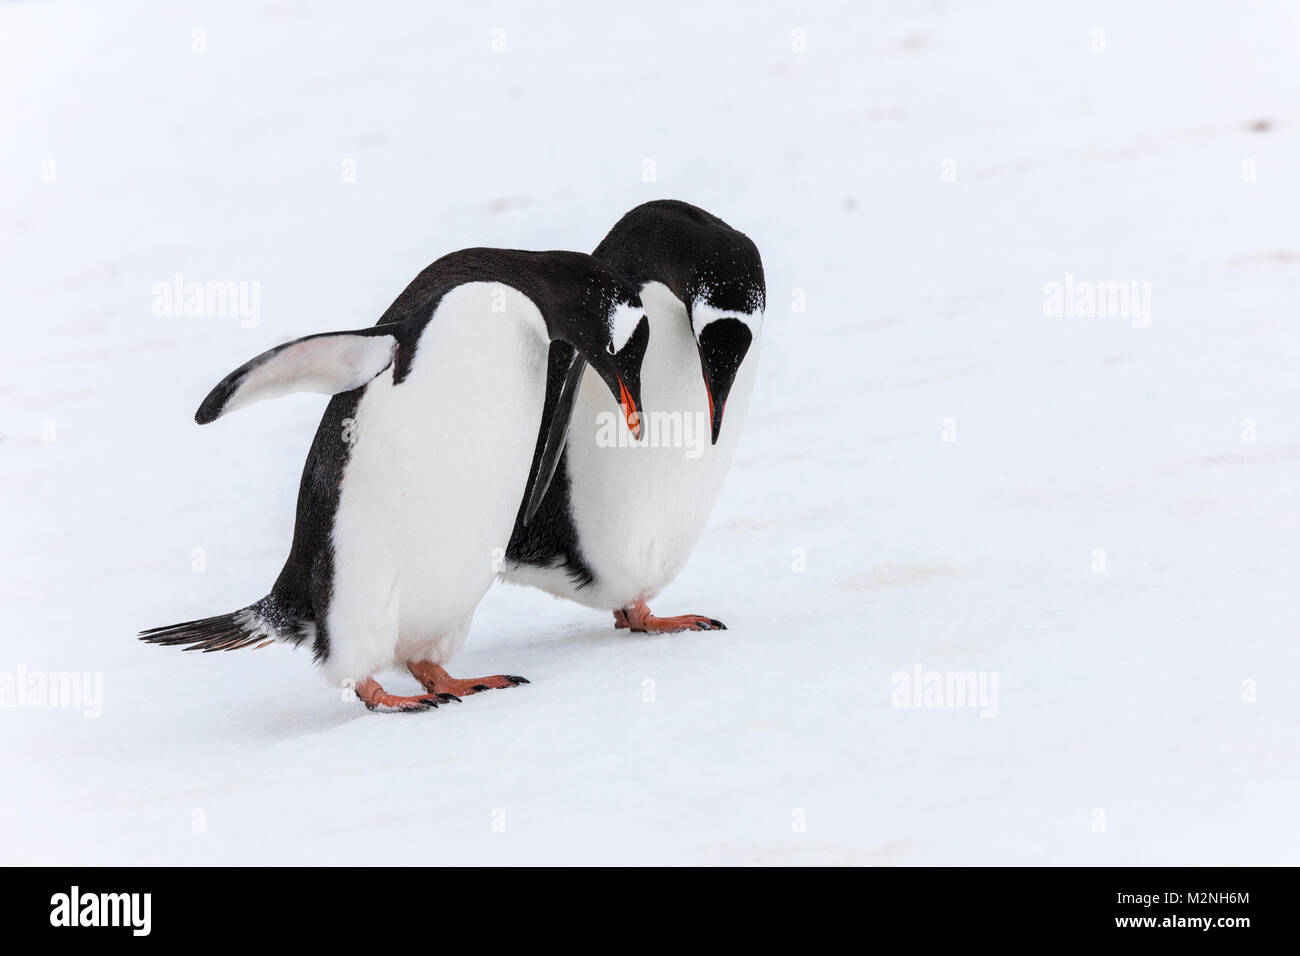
x,y
257,625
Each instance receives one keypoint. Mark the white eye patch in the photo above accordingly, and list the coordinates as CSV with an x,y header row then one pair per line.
x,y
702,314
623,321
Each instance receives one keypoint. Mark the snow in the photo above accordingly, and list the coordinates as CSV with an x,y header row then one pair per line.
x,y
1099,513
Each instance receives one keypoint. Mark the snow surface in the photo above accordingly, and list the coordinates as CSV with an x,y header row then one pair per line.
x,y
913,178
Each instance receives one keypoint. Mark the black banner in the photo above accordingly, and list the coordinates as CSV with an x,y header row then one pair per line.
x,y
340,906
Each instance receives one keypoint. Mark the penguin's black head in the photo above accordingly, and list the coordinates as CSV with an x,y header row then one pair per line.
x,y
723,342
726,312
606,324
599,314
724,293
620,361
715,271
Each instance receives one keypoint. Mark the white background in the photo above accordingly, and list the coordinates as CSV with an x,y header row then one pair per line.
x,y
1147,713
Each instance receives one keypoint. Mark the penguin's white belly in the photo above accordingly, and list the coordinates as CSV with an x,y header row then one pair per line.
x,y
639,509
438,466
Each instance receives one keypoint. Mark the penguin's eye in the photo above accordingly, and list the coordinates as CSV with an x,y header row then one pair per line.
x,y
610,349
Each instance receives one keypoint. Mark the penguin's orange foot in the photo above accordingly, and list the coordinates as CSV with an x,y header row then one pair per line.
x,y
376,698
437,681
637,617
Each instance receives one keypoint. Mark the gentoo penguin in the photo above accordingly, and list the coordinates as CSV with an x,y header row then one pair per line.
x,y
420,461
702,286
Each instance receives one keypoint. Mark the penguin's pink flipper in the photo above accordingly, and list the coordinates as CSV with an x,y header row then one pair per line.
x,y
376,698
637,617
438,681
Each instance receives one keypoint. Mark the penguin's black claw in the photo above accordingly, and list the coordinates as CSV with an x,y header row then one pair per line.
x,y
516,679
416,707
717,625
449,699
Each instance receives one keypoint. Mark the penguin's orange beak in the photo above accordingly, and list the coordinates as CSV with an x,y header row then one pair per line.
x,y
622,374
631,409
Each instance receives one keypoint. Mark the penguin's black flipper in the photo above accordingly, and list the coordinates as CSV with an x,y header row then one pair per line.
x,y
328,363
555,437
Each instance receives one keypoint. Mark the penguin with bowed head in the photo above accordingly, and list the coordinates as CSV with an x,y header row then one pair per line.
x,y
421,460
702,285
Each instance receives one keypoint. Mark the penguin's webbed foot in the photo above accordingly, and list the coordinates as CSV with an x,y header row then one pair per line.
x,y
377,699
436,680
637,618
